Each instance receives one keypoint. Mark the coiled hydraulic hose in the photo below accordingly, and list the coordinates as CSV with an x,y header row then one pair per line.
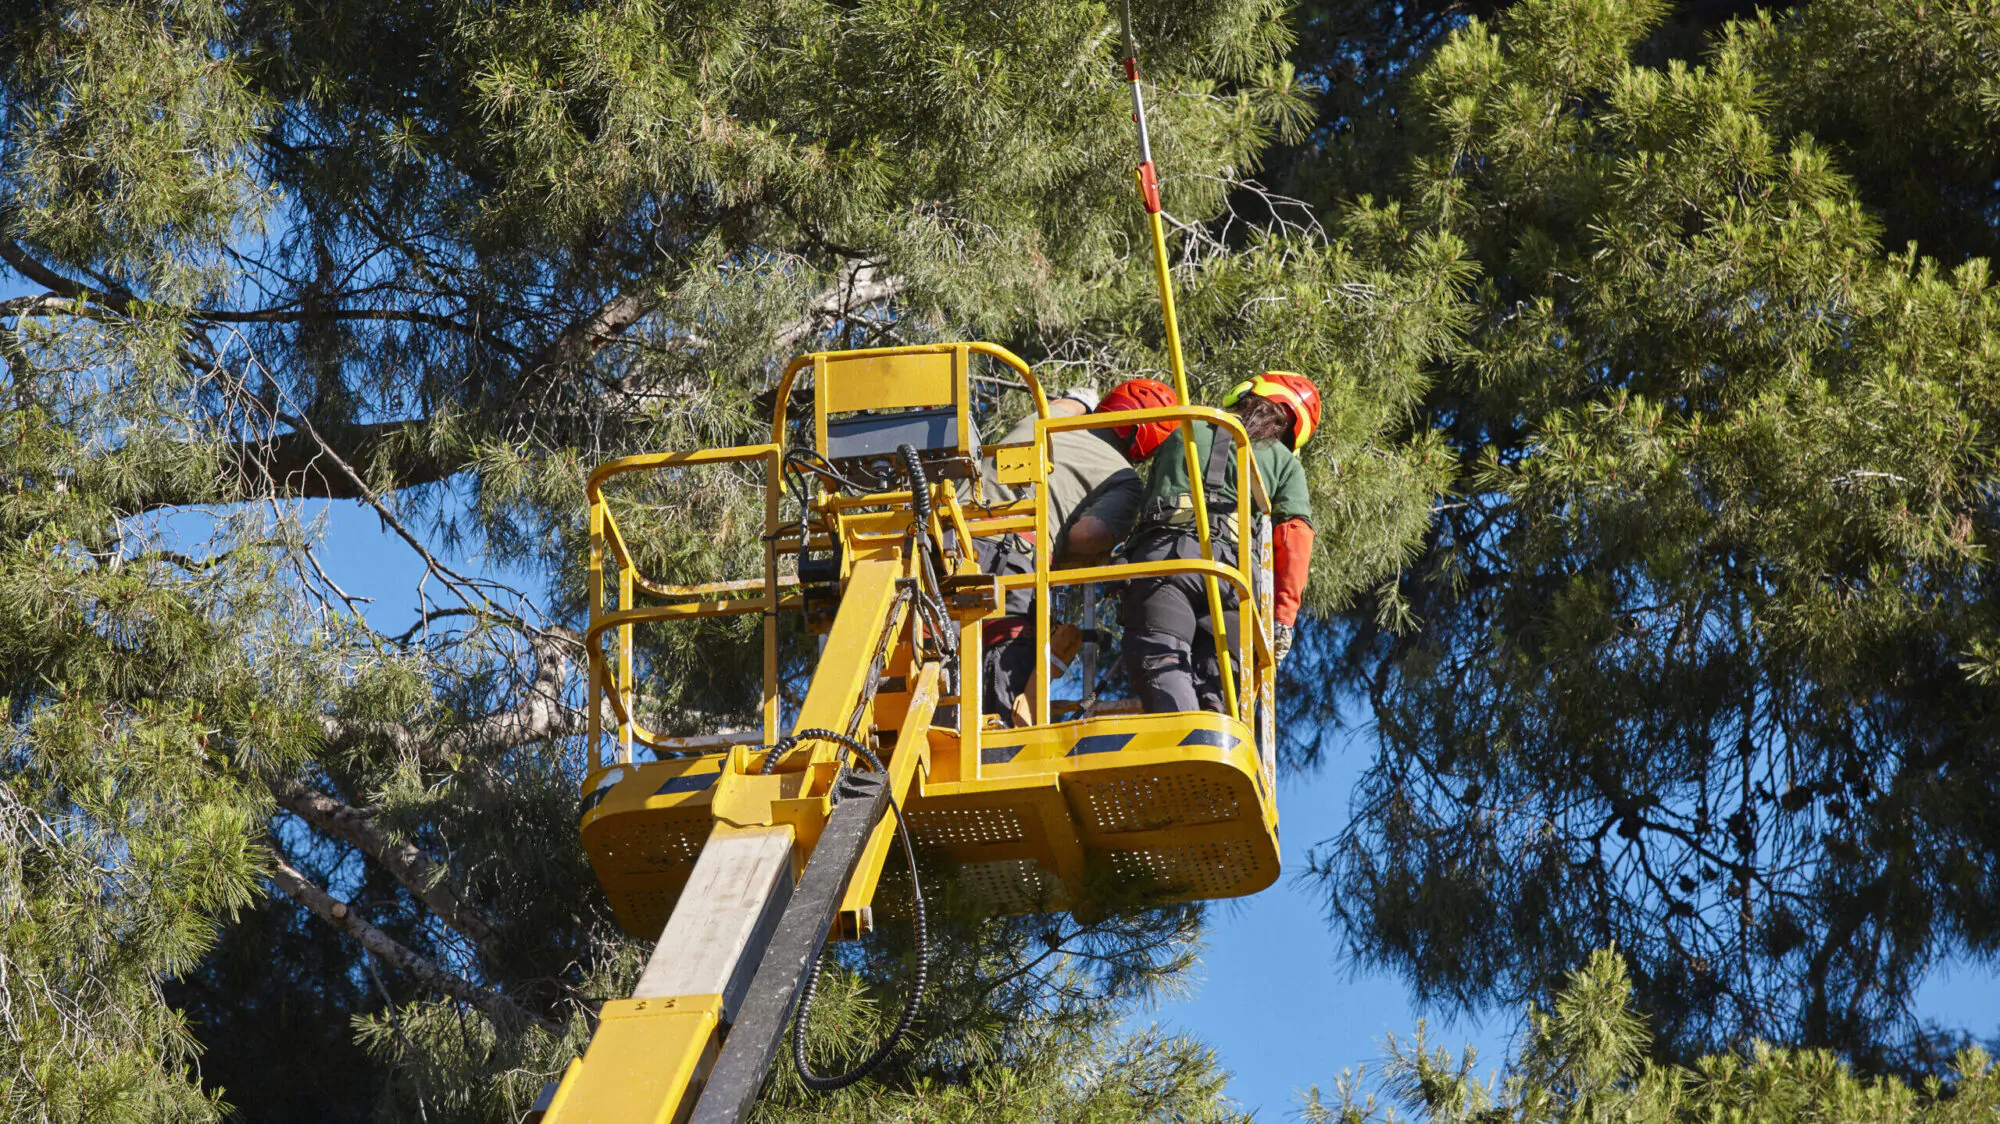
x,y
921,976
930,602
929,605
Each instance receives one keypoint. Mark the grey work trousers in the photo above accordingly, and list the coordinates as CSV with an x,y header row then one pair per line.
x,y
1007,664
1169,639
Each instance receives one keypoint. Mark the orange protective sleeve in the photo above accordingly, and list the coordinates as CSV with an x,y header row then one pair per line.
x,y
1292,543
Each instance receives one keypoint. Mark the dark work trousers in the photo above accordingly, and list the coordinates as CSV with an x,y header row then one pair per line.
x,y
1007,664
1005,670
1169,640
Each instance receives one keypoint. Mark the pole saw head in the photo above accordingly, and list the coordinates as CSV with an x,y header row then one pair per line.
x,y
1149,181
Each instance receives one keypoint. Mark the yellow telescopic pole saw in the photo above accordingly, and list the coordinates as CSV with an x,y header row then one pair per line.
x,y
1149,195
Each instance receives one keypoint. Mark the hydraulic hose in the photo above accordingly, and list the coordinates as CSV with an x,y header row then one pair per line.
x,y
920,978
930,601
926,600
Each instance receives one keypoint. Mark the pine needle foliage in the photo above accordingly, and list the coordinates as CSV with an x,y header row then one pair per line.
x,y
439,260
1696,657
125,838
1585,1061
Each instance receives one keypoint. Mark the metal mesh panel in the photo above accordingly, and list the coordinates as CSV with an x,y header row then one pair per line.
x,y
658,844
966,827
1148,803
1202,870
1009,886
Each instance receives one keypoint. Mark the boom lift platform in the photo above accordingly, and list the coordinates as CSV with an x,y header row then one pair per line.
x,y
741,859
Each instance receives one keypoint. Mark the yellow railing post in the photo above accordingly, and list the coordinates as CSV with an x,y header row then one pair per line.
x,y
1245,614
594,722
1045,547
773,491
625,676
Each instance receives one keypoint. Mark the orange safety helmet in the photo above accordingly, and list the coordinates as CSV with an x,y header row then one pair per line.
x,y
1296,393
1140,394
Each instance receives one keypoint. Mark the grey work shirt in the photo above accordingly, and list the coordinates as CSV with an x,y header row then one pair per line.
x,y
1089,476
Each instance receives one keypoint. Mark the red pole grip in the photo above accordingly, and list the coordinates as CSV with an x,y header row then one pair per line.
x,y
1149,187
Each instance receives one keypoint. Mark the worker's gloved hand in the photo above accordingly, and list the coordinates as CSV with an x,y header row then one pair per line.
x,y
1281,641
1086,396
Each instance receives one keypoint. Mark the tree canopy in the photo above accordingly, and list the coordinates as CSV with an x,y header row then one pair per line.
x,y
1584,1058
1699,662
439,260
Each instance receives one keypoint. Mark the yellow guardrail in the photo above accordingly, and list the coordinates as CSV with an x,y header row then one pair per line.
x,y
611,684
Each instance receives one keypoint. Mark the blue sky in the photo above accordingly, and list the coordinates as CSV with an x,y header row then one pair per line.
x,y
1281,1006
1273,994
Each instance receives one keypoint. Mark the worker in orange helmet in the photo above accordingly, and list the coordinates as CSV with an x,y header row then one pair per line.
x,y
1170,649
1093,497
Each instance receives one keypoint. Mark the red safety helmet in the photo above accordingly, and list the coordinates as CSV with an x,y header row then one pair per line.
x,y
1140,394
1296,393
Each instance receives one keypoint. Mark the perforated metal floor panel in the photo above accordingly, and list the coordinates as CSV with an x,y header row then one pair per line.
x,y
1169,807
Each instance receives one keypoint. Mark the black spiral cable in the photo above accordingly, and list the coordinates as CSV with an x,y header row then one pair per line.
x,y
920,490
921,977
920,500
778,750
930,603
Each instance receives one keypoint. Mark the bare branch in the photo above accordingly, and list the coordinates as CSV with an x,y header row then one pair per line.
x,y
42,302
404,860
539,715
314,460
343,917
390,315
858,287
12,253
583,338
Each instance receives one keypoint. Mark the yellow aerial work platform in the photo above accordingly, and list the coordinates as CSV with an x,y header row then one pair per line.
x,y
718,846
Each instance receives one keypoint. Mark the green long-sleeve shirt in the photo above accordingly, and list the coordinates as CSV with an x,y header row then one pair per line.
x,y
1283,476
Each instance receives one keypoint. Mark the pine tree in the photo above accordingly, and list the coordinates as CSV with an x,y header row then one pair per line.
x,y
1697,656
438,260
1653,488
1584,1060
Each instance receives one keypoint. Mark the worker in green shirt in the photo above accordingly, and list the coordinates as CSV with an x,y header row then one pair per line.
x,y
1170,649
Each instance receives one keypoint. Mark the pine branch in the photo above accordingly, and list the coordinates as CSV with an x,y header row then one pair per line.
x,y
12,253
500,1008
405,860
389,315
296,464
858,287
40,302
539,715
315,459
583,338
